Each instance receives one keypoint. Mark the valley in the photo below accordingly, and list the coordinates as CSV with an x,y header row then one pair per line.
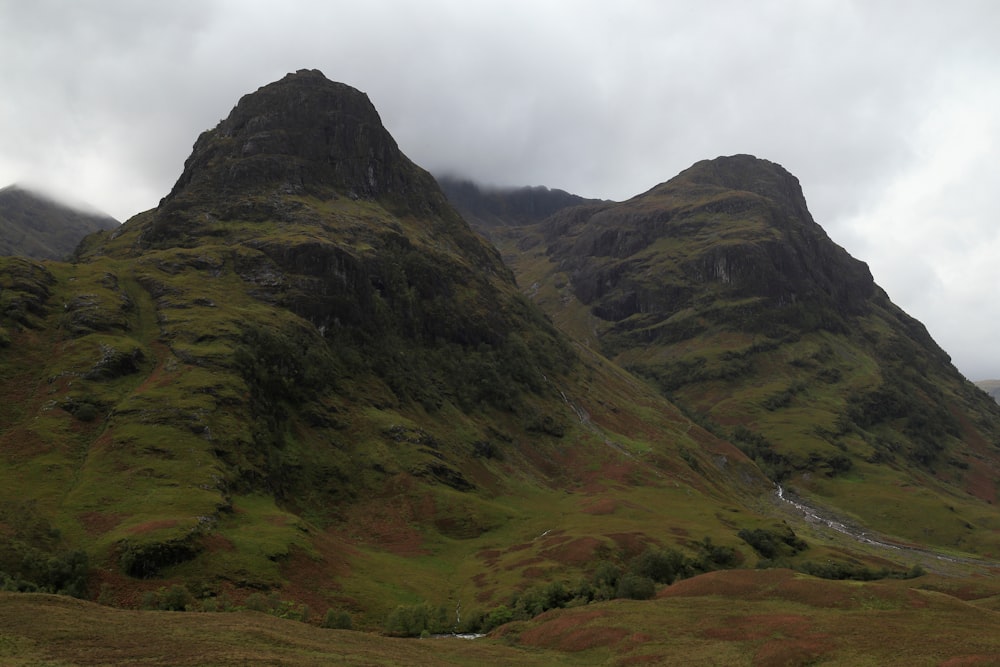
x,y
308,406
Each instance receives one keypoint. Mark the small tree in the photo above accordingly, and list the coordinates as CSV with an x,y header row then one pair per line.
x,y
497,617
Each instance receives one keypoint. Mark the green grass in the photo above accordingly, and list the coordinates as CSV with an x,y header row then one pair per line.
x,y
736,618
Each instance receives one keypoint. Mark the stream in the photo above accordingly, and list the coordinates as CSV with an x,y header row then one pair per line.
x,y
920,554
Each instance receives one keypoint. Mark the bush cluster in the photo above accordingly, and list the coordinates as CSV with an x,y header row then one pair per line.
x,y
63,573
773,543
841,570
179,597
33,557
418,620
637,580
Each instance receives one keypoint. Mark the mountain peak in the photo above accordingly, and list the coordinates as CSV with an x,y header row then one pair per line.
x,y
303,134
747,173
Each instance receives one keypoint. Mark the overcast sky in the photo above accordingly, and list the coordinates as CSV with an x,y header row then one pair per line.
x,y
888,112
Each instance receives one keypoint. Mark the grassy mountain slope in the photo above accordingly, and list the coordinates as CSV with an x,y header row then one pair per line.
x,y
302,373
720,288
32,225
302,383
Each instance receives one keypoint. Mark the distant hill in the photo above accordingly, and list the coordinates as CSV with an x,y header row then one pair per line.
x,y
991,387
33,225
486,207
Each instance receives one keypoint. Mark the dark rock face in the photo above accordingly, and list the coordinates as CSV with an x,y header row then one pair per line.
x,y
307,137
305,196
738,225
303,134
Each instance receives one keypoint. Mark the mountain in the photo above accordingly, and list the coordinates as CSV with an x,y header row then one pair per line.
x,y
303,384
32,225
991,387
485,208
303,373
720,288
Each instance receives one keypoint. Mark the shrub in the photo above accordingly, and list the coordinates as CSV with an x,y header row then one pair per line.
x,y
663,567
337,619
67,574
225,602
497,617
256,602
175,598
635,587
715,556
773,543
408,621
86,412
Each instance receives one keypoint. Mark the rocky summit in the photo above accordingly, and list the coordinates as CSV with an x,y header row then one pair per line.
x,y
303,385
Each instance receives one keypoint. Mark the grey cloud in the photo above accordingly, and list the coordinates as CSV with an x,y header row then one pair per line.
x,y
103,100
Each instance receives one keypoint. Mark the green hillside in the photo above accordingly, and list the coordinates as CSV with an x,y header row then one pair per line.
x,y
720,288
307,376
302,395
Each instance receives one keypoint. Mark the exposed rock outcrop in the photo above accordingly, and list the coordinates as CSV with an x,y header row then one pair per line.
x,y
738,225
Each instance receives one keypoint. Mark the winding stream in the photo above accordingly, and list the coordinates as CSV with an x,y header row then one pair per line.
x,y
922,554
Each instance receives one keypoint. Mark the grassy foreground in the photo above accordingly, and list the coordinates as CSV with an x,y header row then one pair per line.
x,y
736,617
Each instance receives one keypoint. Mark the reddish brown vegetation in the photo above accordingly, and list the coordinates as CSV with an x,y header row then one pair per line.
x,y
150,526
213,542
575,552
631,544
569,632
748,628
96,523
312,579
600,506
783,652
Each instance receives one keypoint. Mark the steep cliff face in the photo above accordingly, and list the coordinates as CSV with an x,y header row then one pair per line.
x,y
332,221
737,228
305,134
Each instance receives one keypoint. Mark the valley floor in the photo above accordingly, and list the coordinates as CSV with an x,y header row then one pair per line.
x,y
734,617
